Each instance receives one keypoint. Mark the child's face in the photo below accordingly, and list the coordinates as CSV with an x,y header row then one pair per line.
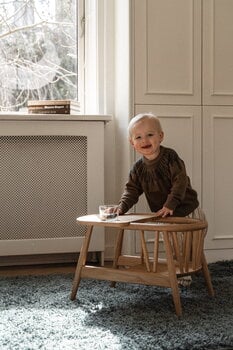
x,y
146,138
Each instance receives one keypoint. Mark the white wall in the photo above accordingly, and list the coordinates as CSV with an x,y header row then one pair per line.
x,y
115,82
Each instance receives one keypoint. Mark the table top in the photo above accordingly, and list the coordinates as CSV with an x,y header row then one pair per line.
x,y
122,220
149,222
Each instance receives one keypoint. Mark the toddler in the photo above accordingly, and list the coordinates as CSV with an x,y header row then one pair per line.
x,y
160,173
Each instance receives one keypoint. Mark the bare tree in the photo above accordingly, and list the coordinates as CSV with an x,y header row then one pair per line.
x,y
38,51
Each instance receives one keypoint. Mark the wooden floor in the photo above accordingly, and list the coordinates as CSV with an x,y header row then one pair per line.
x,y
44,264
43,269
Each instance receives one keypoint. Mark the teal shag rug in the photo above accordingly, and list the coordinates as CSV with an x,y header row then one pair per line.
x,y
36,313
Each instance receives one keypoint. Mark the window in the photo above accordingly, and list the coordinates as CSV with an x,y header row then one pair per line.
x,y
38,51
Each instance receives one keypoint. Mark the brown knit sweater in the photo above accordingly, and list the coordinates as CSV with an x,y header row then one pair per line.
x,y
163,181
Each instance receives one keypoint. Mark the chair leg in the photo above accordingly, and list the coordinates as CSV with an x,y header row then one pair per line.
x,y
176,298
172,275
118,249
145,254
207,277
156,251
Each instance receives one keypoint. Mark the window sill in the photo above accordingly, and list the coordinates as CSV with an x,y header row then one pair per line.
x,y
54,117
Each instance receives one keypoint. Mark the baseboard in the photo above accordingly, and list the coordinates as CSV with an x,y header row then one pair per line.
x,y
38,259
214,255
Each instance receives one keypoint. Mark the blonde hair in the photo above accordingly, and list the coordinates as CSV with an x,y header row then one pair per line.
x,y
142,116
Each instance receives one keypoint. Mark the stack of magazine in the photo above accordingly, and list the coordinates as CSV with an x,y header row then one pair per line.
x,y
53,107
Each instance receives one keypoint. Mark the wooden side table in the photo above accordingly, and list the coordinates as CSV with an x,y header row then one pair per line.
x,y
183,240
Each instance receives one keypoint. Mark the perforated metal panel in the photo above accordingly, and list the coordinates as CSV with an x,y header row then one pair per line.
x,y
43,186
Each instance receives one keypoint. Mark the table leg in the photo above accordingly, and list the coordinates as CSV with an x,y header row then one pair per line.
x,y
81,262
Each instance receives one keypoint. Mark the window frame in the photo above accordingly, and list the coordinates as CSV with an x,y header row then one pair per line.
x,y
80,54
95,56
80,17
99,69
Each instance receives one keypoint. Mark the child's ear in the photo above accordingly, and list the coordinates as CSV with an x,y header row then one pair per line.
x,y
161,136
130,141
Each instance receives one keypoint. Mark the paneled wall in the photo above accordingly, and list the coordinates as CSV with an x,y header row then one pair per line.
x,y
183,72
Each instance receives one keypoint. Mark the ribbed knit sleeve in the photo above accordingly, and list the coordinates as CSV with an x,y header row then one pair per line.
x,y
179,182
132,190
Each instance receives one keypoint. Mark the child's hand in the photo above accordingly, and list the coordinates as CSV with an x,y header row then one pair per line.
x,y
164,212
116,209
119,211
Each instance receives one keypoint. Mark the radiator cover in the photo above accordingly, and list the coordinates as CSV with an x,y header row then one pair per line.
x,y
46,182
